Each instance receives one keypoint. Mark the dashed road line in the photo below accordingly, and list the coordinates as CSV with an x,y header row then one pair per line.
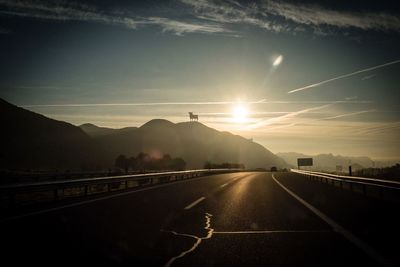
x,y
225,184
378,257
231,181
194,203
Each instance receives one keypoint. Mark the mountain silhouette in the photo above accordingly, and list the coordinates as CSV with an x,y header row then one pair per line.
x,y
192,141
33,141
95,131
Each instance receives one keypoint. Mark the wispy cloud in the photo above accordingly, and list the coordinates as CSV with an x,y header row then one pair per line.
x,y
70,11
232,12
62,11
378,128
212,17
180,27
343,76
143,104
315,15
297,17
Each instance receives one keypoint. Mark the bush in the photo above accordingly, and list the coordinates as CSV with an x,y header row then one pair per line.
x,y
143,162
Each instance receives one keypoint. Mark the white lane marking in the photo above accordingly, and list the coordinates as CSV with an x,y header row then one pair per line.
x,y
231,181
225,184
272,231
194,203
337,228
94,200
210,232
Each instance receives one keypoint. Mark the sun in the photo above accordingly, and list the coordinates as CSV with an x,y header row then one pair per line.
x,y
240,113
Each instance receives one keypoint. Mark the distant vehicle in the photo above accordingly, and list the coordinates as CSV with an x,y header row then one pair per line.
x,y
274,169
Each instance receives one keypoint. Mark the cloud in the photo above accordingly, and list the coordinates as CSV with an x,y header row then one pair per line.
x,y
284,117
343,76
278,16
232,12
315,15
142,104
379,128
212,17
179,27
62,11
69,11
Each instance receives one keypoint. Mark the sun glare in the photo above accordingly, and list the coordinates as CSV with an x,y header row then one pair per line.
x,y
239,113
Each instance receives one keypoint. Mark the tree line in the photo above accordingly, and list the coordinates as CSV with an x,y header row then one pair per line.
x,y
387,173
225,165
143,162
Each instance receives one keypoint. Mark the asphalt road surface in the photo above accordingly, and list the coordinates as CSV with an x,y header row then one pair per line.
x,y
238,219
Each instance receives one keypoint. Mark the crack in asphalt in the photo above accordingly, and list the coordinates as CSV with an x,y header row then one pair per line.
x,y
210,232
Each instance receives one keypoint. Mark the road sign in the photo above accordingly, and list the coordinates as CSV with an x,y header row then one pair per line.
x,y
304,162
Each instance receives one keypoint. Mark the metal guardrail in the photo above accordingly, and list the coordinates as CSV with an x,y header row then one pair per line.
x,y
356,178
384,189
23,193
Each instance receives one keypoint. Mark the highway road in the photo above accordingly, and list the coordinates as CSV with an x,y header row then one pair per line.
x,y
238,219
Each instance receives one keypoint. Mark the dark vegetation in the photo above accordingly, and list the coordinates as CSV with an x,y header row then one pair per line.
x,y
225,165
192,141
388,173
144,162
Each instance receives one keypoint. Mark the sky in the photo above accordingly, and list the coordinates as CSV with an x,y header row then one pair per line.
x,y
304,76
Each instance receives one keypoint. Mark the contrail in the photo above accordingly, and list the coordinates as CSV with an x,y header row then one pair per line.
x,y
284,117
348,114
344,76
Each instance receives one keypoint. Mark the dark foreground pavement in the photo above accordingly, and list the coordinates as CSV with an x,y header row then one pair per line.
x,y
221,220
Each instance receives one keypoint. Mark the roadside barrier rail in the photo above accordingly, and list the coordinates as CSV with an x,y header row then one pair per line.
x,y
19,194
384,189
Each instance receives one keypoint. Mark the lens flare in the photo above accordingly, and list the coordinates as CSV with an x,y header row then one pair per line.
x,y
278,61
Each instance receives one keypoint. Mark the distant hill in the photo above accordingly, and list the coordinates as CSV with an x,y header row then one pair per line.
x,y
95,131
192,141
328,162
30,141
33,141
